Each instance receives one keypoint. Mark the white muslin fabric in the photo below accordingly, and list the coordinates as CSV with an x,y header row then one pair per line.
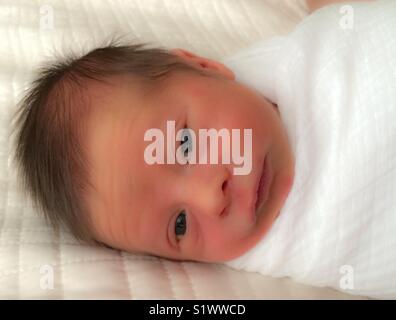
x,y
334,80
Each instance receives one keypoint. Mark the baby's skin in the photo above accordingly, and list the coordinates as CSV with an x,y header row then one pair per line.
x,y
137,207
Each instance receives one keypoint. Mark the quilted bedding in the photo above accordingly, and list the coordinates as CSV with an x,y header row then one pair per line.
x,y
36,262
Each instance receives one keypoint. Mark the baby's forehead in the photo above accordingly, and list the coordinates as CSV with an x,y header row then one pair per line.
x,y
154,102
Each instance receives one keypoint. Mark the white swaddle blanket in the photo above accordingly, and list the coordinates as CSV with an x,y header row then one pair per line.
x,y
334,80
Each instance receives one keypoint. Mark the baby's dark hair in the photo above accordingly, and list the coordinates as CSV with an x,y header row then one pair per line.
x,y
49,121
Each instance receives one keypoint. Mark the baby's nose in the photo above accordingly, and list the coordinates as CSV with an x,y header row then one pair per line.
x,y
210,191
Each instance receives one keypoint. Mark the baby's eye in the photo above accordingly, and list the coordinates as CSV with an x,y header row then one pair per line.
x,y
180,224
186,143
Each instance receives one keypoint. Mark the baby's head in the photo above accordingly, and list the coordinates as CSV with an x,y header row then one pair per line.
x,y
81,148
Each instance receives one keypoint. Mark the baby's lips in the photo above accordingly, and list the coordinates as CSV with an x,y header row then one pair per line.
x,y
264,184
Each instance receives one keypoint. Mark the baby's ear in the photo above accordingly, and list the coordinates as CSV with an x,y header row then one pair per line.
x,y
204,63
183,52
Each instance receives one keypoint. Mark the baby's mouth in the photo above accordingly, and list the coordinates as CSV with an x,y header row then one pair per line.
x,y
263,185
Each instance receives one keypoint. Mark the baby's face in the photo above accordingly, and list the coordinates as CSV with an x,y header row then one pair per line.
x,y
137,206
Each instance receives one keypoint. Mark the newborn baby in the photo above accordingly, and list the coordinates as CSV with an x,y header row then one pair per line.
x,y
81,148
